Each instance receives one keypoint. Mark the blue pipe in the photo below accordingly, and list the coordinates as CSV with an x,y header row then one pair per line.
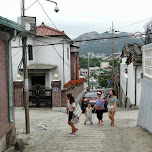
x,y
10,77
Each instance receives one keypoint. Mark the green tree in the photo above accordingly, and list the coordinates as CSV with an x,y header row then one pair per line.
x,y
116,62
83,62
105,78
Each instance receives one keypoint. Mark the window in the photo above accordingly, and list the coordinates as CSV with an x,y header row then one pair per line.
x,y
67,53
30,52
147,62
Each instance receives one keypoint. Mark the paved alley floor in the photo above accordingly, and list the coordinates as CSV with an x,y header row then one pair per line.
x,y
49,133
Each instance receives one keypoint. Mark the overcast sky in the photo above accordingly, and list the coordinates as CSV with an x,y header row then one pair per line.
x,y
80,16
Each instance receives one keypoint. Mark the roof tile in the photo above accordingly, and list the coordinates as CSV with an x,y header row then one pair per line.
x,y
44,30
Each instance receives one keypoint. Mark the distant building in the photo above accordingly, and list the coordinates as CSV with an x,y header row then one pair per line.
x,y
116,56
104,64
130,75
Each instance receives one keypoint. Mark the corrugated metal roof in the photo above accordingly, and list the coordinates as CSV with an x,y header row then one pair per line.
x,y
44,30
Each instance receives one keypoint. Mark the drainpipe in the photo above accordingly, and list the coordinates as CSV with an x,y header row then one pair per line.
x,y
10,76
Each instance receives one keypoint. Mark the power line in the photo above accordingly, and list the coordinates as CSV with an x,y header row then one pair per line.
x,y
52,46
12,56
31,5
103,38
134,23
46,14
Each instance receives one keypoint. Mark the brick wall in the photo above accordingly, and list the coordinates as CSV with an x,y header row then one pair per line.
x,y
74,65
5,125
75,91
18,94
56,91
77,66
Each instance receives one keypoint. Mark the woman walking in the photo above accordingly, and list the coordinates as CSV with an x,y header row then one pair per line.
x,y
70,109
99,107
112,102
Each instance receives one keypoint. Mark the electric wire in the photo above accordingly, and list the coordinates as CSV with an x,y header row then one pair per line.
x,y
52,46
31,5
46,13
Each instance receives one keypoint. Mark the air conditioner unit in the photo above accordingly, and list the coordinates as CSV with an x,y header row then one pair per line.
x,y
28,22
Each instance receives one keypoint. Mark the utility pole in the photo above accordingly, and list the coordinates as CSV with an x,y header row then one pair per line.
x,y
88,74
26,98
113,58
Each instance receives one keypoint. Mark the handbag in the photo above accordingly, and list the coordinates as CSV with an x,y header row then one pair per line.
x,y
75,120
77,113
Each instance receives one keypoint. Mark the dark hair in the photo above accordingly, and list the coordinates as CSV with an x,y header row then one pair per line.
x,y
113,92
88,103
71,98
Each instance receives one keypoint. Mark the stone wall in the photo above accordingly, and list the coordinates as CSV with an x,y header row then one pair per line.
x,y
145,110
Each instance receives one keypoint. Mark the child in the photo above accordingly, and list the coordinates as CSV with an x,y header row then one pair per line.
x,y
88,114
70,109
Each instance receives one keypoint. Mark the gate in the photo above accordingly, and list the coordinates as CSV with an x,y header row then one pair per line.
x,y
40,97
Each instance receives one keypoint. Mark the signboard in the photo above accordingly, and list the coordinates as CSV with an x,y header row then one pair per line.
x,y
28,22
55,89
26,85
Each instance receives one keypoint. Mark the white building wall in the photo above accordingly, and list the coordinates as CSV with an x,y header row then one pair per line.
x,y
138,83
123,75
44,55
54,56
16,56
131,83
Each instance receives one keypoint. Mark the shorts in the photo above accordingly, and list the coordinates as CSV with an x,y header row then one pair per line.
x,y
88,119
70,115
99,114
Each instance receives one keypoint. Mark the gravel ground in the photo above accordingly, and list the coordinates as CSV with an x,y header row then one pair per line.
x,y
49,133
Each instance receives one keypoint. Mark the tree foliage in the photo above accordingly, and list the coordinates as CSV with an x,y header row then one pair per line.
x,y
105,79
116,62
94,62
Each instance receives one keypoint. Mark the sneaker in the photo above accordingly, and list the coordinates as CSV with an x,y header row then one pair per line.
x,y
71,135
91,123
101,123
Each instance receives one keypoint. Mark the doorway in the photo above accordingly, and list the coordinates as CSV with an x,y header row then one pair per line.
x,y
38,80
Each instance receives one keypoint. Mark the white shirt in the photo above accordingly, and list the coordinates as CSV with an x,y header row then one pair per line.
x,y
89,112
70,106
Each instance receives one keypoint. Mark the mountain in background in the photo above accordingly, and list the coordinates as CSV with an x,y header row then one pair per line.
x,y
103,46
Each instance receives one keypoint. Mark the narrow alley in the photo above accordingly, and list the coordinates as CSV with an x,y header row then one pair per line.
x,y
49,133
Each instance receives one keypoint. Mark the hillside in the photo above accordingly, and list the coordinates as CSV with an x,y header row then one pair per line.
x,y
103,46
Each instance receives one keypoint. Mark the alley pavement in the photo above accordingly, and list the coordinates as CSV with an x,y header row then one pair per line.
x,y
49,133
